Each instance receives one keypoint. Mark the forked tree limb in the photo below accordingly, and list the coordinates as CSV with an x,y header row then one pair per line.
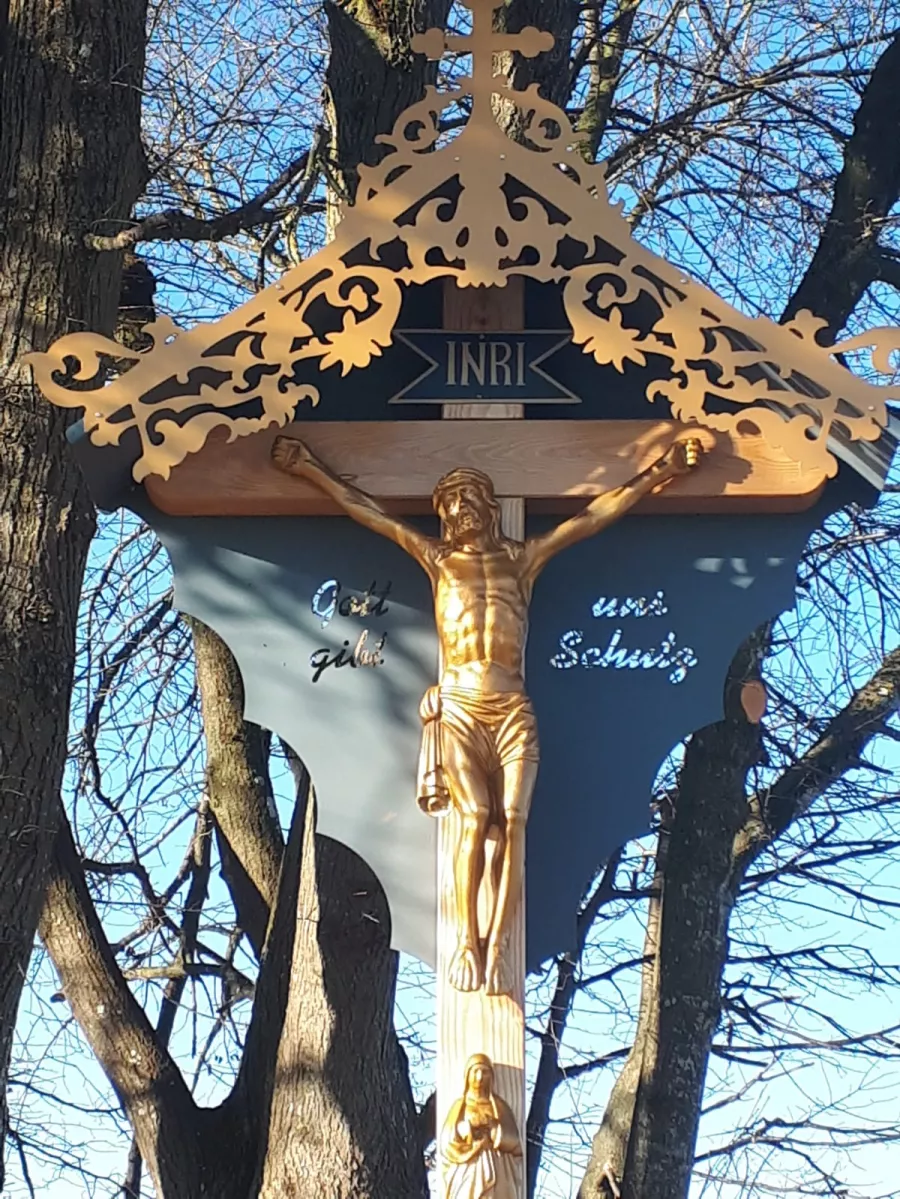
x,y
149,1085
840,748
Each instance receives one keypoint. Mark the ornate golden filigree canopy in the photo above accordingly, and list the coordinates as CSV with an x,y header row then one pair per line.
x,y
478,208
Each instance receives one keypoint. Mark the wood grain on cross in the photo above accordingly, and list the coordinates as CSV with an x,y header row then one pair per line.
x,y
474,1022
556,465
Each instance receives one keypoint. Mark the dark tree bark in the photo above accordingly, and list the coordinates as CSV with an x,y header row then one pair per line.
x,y
848,257
552,72
342,1093
604,50
372,76
237,783
70,154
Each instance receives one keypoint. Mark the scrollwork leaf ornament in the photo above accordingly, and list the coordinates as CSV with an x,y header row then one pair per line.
x,y
477,207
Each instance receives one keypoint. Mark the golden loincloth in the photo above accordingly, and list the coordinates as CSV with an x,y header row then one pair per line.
x,y
495,728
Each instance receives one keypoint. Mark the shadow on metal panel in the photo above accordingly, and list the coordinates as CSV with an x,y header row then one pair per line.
x,y
631,636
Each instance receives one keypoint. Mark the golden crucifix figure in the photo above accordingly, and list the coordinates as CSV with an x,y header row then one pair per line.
x,y
480,744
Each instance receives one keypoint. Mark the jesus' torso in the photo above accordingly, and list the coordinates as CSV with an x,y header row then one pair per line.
x,y
481,609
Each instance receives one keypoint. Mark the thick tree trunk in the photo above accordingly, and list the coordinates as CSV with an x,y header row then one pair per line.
x,y
343,1121
847,258
646,1142
70,153
373,75
237,783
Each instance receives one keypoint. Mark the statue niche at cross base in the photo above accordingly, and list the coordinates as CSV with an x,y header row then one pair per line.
x,y
480,743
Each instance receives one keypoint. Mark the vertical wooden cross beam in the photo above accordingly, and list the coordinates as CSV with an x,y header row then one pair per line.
x,y
475,1022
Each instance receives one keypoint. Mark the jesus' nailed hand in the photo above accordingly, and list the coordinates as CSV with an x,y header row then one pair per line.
x,y
480,744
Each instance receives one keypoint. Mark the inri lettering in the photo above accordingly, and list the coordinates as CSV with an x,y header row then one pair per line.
x,y
491,362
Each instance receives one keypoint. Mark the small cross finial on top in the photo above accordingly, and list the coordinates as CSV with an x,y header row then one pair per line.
x,y
483,43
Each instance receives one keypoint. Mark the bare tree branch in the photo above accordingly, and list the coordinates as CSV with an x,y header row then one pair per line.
x,y
199,856
606,51
839,749
549,1072
887,268
177,225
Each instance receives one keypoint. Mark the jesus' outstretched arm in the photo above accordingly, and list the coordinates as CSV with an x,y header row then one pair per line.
x,y
294,457
680,458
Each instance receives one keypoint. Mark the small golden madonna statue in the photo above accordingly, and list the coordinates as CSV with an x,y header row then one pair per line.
x,y
480,1145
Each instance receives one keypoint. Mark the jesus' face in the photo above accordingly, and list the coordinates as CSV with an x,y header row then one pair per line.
x,y
466,513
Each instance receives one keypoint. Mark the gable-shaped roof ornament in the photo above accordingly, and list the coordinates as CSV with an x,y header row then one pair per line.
x,y
476,208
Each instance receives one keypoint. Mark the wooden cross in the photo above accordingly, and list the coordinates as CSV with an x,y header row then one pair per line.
x,y
555,465
558,464
474,1022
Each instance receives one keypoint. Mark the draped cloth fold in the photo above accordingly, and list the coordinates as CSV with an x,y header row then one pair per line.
x,y
492,729
491,1175
432,792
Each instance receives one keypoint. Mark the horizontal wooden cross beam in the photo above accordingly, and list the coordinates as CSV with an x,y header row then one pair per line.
x,y
557,465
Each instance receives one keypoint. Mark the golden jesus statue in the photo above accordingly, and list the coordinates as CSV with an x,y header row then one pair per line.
x,y
480,743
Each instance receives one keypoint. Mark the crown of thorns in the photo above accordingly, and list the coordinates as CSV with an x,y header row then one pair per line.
x,y
459,476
